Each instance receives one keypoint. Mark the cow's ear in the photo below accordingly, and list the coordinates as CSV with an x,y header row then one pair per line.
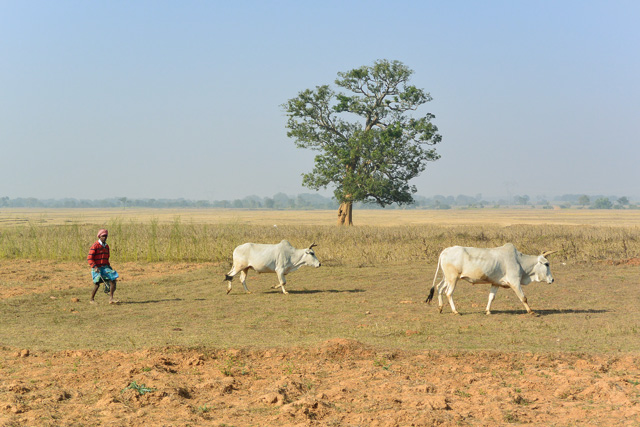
x,y
542,260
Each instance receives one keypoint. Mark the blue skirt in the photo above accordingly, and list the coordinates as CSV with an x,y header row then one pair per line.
x,y
106,273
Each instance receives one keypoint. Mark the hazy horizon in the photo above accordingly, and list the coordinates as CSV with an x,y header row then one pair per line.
x,y
183,100
418,198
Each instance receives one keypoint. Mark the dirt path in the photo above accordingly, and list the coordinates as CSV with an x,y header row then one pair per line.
x,y
20,277
340,383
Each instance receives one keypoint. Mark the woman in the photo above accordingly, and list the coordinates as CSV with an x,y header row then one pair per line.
x,y
101,270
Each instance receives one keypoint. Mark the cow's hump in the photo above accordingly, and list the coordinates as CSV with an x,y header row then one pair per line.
x,y
285,242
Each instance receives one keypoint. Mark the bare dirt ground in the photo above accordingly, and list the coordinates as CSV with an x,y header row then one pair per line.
x,y
337,383
340,383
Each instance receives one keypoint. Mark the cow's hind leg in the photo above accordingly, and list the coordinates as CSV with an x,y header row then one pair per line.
x,y
450,289
243,279
492,296
441,287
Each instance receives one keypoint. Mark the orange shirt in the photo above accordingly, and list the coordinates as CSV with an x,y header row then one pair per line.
x,y
98,255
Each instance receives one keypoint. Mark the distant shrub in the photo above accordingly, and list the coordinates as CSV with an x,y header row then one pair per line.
x,y
602,203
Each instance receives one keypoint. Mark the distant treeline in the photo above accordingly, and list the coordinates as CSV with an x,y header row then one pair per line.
x,y
317,201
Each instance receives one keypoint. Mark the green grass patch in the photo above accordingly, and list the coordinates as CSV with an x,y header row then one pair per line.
x,y
382,306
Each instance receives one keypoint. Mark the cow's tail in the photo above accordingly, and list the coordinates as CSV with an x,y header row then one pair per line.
x,y
229,276
433,287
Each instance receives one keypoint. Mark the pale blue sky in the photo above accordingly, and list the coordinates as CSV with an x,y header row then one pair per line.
x,y
170,99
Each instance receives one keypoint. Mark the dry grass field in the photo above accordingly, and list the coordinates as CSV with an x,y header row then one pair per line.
x,y
353,344
399,217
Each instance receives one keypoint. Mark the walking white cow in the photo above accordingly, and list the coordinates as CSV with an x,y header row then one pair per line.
x,y
281,259
503,267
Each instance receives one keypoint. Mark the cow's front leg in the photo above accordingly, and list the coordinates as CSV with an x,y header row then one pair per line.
x,y
282,281
518,290
492,295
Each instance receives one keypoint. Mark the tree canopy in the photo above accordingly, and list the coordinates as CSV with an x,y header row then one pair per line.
x,y
370,146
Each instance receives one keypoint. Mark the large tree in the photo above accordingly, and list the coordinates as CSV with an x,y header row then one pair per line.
x,y
370,146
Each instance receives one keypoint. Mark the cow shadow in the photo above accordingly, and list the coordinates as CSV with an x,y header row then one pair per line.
x,y
569,311
550,312
151,301
317,291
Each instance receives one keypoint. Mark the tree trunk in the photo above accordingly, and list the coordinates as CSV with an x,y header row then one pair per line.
x,y
345,213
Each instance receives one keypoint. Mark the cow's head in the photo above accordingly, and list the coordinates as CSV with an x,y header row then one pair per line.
x,y
309,257
542,270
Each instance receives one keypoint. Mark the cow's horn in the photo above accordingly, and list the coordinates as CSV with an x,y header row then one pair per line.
x,y
547,253
312,245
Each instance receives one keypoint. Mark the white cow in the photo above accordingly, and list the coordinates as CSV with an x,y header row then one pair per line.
x,y
281,259
502,267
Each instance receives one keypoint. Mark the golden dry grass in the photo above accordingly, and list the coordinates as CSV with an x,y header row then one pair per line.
x,y
397,217
383,237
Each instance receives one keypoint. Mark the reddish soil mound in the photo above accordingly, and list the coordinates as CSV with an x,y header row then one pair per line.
x,y
340,383
629,261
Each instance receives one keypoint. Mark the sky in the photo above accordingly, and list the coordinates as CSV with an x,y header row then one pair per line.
x,y
183,99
